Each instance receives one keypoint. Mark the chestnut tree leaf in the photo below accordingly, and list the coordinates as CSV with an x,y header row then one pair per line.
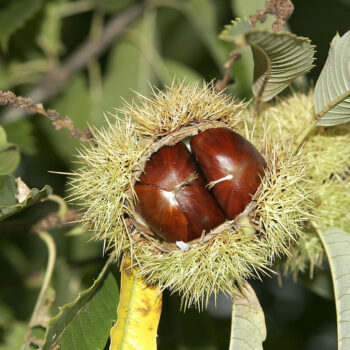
x,y
242,70
49,37
236,30
75,102
201,14
14,14
21,132
14,335
279,58
336,243
332,90
9,154
9,158
112,6
248,329
180,72
3,137
8,202
138,312
84,324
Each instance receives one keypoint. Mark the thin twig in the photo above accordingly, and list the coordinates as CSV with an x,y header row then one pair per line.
x,y
29,106
258,99
54,81
53,220
228,79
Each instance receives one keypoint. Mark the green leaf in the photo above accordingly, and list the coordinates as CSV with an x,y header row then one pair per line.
x,y
248,329
112,6
124,75
16,73
49,37
236,31
8,202
336,243
13,15
75,103
3,137
14,336
246,8
9,154
279,58
8,190
85,323
201,14
242,70
9,158
332,91
150,65
179,71
20,132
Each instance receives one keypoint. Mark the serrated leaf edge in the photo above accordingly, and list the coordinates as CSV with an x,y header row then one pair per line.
x,y
341,97
102,275
268,72
23,205
233,23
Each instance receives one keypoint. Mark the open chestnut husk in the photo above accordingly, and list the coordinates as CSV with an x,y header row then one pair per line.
x,y
173,196
108,185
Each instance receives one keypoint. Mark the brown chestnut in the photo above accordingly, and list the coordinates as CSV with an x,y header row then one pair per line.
x,y
172,197
232,166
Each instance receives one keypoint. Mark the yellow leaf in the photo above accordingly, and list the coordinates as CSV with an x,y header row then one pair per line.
x,y
139,310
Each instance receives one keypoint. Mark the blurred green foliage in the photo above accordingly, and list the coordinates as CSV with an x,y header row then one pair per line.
x,y
172,39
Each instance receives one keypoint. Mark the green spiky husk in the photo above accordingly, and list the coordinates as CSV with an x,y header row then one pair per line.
x,y
326,152
235,251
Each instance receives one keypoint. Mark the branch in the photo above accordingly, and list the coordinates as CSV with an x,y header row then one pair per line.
x,y
30,107
55,80
228,78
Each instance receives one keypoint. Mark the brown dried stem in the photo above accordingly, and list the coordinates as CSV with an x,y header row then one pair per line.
x,y
29,106
228,79
53,220
282,9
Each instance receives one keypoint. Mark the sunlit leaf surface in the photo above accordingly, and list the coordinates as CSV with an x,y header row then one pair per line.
x,y
332,91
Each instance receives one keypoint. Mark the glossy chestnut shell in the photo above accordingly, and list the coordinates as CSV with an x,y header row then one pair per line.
x,y
176,206
232,166
173,195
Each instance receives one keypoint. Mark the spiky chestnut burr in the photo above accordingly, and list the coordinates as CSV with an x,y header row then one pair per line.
x,y
325,155
237,249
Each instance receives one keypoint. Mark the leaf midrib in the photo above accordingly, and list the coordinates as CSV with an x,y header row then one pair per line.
x,y
332,104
